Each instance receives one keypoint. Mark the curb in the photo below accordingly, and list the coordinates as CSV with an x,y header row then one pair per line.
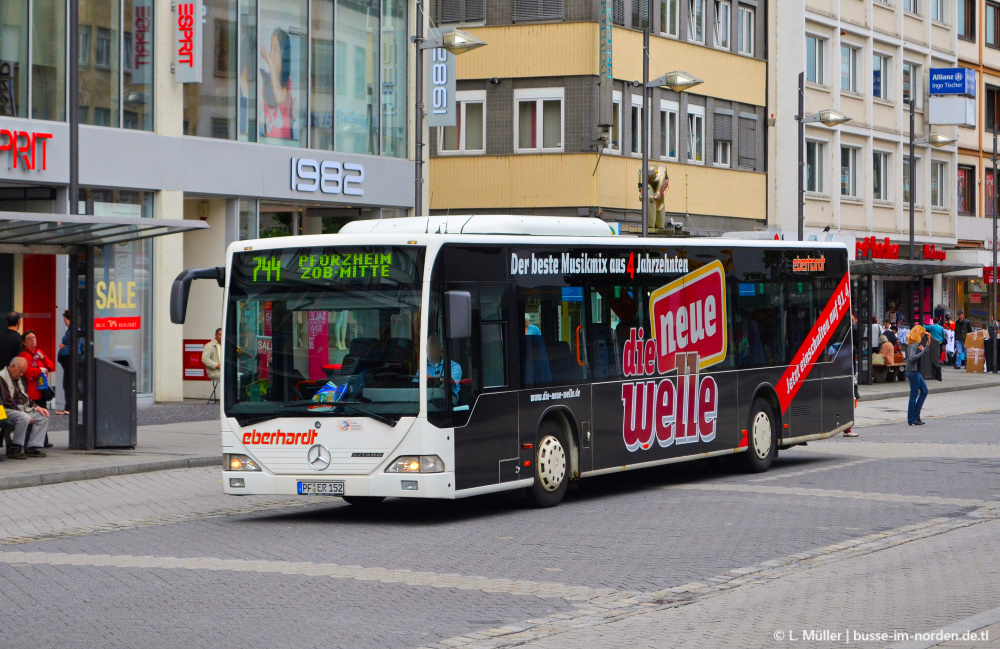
x,y
39,479
941,390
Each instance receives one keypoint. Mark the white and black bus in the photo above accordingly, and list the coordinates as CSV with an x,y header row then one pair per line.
x,y
449,357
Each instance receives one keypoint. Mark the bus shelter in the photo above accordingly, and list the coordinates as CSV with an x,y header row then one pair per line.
x,y
863,274
81,237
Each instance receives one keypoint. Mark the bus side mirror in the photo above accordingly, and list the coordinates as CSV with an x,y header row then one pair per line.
x,y
181,288
458,314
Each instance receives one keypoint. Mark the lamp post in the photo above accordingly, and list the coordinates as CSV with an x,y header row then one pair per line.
x,y
829,118
678,82
454,41
936,140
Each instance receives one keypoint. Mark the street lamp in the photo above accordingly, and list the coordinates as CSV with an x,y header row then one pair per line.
x,y
829,118
454,41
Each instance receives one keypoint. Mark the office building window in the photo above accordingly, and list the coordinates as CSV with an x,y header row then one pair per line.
x,y
723,13
669,18
938,185
393,96
849,68
965,190
991,108
911,76
748,141
13,59
747,30
815,166
640,12
469,133
938,10
880,176
880,76
616,123
538,10
849,172
722,133
906,180
48,60
668,129
84,45
538,119
815,60
459,11
913,6
696,21
967,19
696,134
637,130
992,26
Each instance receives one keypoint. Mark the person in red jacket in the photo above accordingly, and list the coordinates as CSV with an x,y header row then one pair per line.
x,y
38,364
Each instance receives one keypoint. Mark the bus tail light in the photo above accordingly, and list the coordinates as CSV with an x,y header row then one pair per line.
x,y
416,464
239,463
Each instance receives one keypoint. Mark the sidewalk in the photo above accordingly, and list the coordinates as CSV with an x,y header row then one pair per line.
x,y
954,380
161,447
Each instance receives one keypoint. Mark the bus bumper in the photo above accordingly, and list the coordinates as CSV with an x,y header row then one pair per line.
x,y
388,485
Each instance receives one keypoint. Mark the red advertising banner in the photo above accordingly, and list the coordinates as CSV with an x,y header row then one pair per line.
x,y
118,324
194,370
988,275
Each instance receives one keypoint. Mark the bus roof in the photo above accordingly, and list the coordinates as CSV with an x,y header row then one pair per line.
x,y
565,226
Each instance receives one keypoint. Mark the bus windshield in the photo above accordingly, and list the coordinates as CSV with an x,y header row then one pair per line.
x,y
327,325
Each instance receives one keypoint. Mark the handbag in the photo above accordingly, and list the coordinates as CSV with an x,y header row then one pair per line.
x,y
45,393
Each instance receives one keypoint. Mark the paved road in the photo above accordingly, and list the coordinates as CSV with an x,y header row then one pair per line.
x,y
891,533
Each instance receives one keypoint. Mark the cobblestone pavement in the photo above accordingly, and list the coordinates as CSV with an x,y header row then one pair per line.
x,y
891,533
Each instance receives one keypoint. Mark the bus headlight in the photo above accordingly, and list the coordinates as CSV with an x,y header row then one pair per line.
x,y
239,463
416,464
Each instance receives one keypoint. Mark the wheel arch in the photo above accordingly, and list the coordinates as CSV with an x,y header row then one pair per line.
x,y
767,392
571,427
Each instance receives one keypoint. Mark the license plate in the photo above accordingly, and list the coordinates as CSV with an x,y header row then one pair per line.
x,y
321,488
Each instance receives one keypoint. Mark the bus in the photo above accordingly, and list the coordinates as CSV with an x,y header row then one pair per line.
x,y
446,357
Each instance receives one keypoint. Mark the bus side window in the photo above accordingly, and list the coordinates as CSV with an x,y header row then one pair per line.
x,y
555,338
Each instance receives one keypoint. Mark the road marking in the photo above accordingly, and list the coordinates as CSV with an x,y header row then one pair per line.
x,y
780,475
835,493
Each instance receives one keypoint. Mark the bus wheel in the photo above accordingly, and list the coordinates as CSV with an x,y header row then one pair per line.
x,y
762,450
551,466
364,501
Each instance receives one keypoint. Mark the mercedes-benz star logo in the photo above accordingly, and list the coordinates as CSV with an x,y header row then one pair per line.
x,y
318,457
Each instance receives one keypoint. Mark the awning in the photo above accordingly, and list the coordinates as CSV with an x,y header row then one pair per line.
x,y
902,267
27,232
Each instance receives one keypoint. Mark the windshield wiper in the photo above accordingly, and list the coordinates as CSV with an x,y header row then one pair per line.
x,y
348,405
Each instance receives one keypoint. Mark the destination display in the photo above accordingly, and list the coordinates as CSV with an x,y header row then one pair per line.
x,y
328,265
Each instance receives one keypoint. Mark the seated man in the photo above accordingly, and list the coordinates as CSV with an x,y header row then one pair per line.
x,y
22,411
435,367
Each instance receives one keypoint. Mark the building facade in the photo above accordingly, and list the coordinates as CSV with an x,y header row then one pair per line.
x,y
288,89
867,60
978,50
550,112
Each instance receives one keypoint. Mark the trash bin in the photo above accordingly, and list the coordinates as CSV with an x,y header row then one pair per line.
x,y
114,394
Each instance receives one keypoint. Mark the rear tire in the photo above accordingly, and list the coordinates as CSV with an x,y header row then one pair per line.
x,y
551,466
364,501
761,437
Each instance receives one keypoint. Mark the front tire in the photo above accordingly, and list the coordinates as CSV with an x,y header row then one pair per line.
x,y
762,438
551,466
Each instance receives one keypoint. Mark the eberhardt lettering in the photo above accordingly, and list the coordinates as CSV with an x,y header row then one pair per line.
x,y
688,334
278,438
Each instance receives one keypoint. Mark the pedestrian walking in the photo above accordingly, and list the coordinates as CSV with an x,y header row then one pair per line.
x,y
22,412
919,342
962,329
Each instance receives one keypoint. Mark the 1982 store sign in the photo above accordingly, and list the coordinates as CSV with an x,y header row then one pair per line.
x,y
327,176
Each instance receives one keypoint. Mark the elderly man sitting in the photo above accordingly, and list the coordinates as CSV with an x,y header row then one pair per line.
x,y
22,411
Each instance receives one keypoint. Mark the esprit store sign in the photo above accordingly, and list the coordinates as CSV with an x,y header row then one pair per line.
x,y
188,40
142,42
327,176
872,248
25,149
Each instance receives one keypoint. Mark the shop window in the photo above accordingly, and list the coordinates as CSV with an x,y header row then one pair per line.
x,y
965,192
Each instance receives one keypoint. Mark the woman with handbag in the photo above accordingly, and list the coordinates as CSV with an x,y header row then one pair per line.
x,y
37,373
